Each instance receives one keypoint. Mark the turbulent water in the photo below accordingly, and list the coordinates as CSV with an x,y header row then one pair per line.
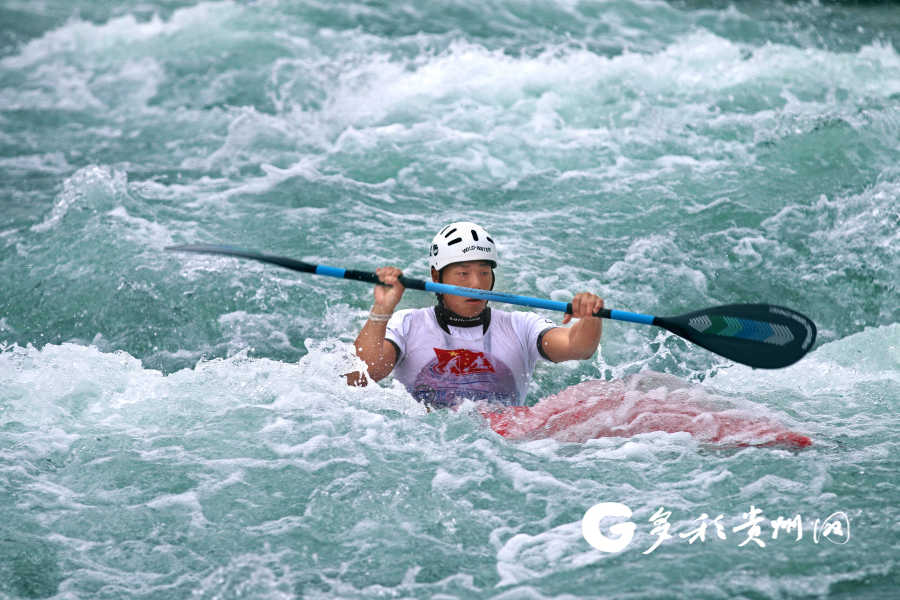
x,y
175,426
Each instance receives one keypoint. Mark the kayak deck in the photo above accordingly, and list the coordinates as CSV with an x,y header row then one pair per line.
x,y
641,403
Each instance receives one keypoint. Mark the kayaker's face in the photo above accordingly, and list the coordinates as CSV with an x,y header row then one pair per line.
x,y
472,274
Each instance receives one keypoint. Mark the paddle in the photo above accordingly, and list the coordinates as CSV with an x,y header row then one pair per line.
x,y
758,335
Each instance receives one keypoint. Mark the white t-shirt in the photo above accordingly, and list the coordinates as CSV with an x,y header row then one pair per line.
x,y
444,369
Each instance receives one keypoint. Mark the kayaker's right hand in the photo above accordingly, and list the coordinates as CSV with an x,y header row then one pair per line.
x,y
387,298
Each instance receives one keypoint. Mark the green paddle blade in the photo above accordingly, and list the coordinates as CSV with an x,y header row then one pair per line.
x,y
763,336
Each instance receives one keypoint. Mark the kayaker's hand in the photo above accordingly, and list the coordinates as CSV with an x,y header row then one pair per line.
x,y
584,304
387,298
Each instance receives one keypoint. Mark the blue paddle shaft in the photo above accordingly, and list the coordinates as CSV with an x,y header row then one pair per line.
x,y
617,315
621,315
409,282
455,290
759,335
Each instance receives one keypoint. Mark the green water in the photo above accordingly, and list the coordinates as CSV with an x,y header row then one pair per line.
x,y
175,426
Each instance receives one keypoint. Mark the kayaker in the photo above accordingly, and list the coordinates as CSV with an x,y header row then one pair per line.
x,y
461,348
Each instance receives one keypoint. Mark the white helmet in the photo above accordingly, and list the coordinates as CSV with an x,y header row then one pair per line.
x,y
459,242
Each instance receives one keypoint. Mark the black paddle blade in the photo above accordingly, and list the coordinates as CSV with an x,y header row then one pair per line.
x,y
290,263
758,335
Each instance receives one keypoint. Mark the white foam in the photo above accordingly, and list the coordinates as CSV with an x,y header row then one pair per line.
x,y
836,367
657,254
469,115
6,327
89,188
445,481
53,87
695,64
78,36
560,549
52,162
253,138
142,232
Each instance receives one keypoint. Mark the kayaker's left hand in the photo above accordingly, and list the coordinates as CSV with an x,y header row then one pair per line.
x,y
584,304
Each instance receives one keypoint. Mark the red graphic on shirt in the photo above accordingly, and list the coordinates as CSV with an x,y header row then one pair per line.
x,y
462,362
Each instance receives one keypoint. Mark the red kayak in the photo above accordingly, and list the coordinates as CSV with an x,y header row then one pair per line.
x,y
642,403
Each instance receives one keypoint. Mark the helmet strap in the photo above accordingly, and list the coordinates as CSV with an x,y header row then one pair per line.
x,y
446,317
